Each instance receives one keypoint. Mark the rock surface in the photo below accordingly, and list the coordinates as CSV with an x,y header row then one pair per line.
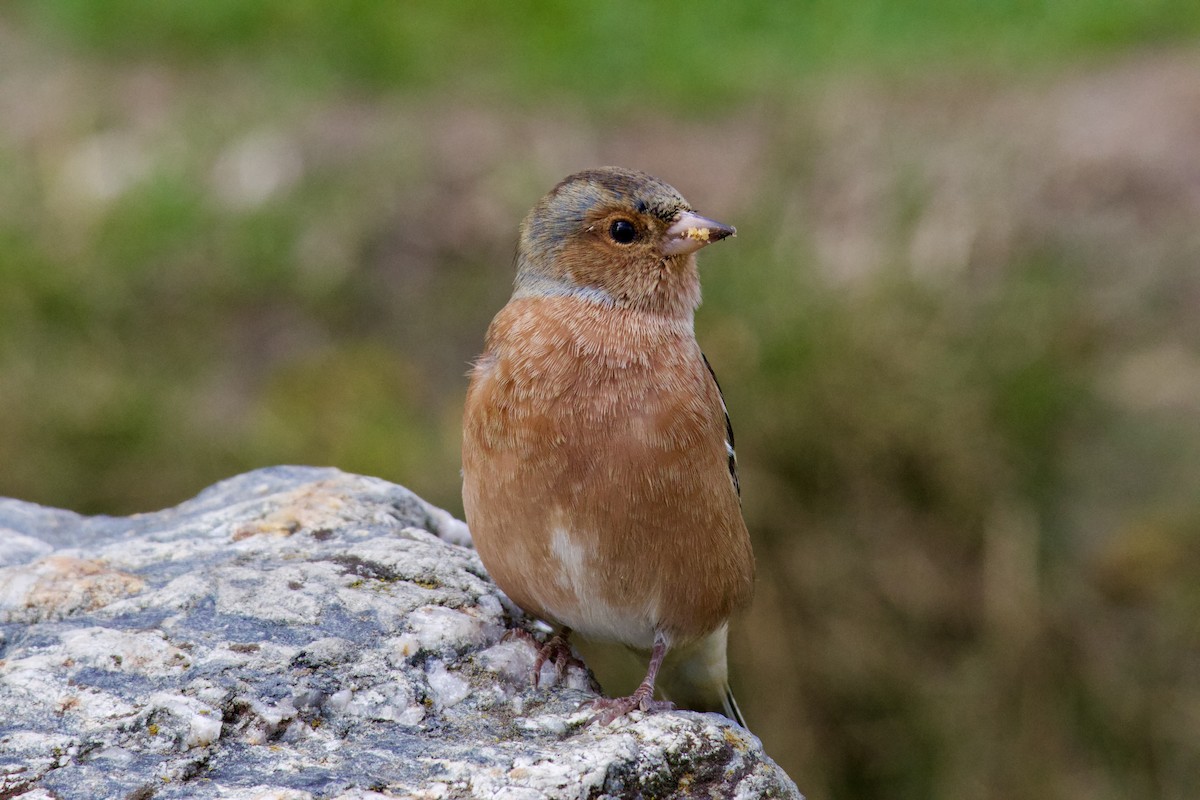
x,y
298,633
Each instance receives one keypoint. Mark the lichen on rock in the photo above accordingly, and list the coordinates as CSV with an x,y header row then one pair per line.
x,y
302,633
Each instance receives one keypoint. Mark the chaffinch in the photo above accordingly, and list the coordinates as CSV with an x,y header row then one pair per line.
x,y
599,476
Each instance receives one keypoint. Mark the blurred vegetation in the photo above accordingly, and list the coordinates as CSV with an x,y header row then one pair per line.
x,y
622,53
957,331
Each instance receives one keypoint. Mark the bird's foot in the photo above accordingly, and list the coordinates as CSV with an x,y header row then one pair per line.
x,y
611,708
556,650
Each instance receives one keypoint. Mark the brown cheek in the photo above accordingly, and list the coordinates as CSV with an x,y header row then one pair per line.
x,y
591,263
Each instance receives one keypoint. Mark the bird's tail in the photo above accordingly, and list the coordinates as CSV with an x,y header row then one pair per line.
x,y
696,677
729,708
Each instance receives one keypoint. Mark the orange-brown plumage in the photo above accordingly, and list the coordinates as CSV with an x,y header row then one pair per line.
x,y
596,465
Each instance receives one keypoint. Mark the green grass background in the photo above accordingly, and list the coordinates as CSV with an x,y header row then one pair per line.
x,y
977,568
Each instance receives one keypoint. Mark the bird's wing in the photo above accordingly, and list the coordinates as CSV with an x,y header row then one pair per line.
x,y
733,467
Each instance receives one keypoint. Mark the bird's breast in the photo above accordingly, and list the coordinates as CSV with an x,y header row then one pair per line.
x,y
595,473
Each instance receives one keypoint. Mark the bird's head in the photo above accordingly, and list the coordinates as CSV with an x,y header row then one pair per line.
x,y
615,236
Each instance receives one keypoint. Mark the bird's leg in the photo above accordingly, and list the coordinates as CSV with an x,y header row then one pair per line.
x,y
556,650
643,699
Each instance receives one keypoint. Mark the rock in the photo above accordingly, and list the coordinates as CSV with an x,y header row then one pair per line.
x,y
296,633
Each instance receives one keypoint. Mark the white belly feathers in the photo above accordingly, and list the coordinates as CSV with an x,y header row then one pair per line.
x,y
591,617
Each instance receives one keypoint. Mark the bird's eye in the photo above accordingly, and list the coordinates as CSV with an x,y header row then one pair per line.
x,y
622,231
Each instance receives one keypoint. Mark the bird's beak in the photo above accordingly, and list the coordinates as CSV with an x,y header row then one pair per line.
x,y
690,231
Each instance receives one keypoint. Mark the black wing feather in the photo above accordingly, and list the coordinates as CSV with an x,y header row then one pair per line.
x,y
733,467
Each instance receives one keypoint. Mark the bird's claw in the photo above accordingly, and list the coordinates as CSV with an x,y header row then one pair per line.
x,y
612,708
556,650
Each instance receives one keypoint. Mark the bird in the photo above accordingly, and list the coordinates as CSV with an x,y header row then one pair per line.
x,y
600,481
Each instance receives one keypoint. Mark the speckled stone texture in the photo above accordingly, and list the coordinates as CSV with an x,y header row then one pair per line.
x,y
300,633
